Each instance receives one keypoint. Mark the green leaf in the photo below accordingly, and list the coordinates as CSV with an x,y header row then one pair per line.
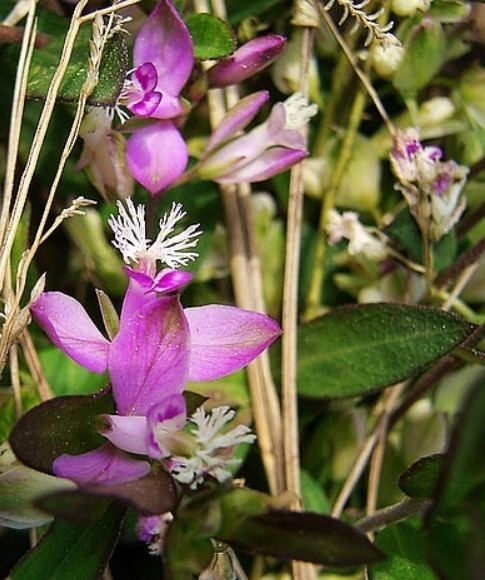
x,y
212,37
404,546
238,10
415,72
421,478
456,524
314,499
67,377
62,425
358,349
303,536
72,551
153,494
405,231
111,76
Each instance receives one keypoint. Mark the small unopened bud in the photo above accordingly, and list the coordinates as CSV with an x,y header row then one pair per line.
x,y
409,7
386,58
249,59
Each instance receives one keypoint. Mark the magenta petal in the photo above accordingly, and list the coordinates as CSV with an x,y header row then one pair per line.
x,y
128,433
237,118
171,280
105,465
271,162
148,358
224,339
248,60
145,107
167,416
69,327
147,77
157,156
164,40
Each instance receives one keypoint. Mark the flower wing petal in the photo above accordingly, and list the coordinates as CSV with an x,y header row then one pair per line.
x,y
68,325
128,433
223,339
105,465
157,156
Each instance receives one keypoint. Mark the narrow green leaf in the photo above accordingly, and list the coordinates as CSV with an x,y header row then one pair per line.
x,y
314,499
72,551
111,320
111,76
153,494
212,37
358,349
303,536
404,546
421,478
61,425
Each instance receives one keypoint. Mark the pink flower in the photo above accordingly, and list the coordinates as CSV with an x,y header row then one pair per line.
x,y
163,57
268,149
158,349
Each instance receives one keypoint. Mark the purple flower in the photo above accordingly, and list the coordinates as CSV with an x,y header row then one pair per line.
x,y
158,349
248,60
431,187
268,149
163,57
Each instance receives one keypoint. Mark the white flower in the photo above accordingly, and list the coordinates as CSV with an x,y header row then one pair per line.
x,y
213,453
129,229
386,57
348,226
298,111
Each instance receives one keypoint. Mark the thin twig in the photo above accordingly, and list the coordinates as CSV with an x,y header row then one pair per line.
x,y
353,61
387,402
267,423
468,258
15,379
35,368
391,514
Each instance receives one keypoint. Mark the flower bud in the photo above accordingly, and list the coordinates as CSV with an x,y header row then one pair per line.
x,y
386,58
249,59
103,154
409,7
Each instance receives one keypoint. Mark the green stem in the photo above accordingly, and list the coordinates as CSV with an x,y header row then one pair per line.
x,y
339,79
314,298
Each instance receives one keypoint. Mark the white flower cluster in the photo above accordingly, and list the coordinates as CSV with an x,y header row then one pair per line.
x,y
361,241
129,229
214,449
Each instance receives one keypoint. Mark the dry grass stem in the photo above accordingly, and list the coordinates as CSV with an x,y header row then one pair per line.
x,y
262,399
289,355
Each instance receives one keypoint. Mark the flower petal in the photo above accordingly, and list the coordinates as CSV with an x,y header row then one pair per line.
x,y
164,419
237,118
157,156
164,40
271,162
224,339
105,465
148,358
68,325
128,433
